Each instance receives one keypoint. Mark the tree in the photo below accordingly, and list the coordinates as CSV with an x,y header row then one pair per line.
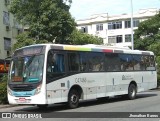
x,y
79,38
156,49
47,19
24,40
147,37
3,89
147,33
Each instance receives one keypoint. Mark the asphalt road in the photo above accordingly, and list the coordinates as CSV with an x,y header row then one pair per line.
x,y
145,103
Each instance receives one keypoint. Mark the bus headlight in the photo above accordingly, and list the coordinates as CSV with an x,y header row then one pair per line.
x,y
38,89
9,91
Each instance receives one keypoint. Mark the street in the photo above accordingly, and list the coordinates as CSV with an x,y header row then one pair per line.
x,y
145,102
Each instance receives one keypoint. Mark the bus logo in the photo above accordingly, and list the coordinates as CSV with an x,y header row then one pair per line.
x,y
6,115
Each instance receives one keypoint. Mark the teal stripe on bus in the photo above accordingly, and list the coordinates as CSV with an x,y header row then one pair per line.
x,y
96,50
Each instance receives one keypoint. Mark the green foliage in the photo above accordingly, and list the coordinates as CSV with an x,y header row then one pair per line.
x,y
143,44
24,40
147,37
156,49
79,38
47,19
147,33
3,90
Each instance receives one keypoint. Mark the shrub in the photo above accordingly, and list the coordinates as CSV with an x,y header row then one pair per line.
x,y
3,89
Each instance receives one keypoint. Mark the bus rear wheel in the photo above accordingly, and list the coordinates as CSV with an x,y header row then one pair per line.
x,y
73,99
132,91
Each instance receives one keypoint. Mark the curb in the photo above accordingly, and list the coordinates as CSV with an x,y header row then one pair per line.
x,y
7,106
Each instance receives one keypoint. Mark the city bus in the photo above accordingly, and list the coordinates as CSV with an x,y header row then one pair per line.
x,y
44,74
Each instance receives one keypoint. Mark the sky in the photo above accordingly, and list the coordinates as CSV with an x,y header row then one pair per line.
x,y
81,9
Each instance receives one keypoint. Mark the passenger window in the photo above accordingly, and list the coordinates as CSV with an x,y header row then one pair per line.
x,y
126,62
137,62
150,63
83,61
55,64
73,62
96,61
112,62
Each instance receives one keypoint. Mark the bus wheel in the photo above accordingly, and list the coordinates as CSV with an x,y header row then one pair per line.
x,y
73,99
42,106
132,92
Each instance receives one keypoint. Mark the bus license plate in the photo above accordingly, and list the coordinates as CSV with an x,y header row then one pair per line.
x,y
22,100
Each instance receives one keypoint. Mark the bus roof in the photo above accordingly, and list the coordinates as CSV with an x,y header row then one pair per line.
x,y
94,48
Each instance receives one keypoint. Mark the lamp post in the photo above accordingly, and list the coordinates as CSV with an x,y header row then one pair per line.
x,y
132,40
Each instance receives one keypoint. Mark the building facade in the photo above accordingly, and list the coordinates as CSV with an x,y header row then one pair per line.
x,y
115,30
9,29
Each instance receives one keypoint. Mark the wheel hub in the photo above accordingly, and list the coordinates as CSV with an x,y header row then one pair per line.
x,y
74,98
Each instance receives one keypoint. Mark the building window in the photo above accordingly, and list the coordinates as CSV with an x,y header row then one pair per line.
x,y
7,43
7,2
15,23
135,23
128,24
128,38
112,39
115,39
119,38
99,27
6,18
110,26
84,29
115,25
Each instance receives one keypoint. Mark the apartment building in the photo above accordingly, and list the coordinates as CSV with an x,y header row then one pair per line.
x,y
9,29
115,30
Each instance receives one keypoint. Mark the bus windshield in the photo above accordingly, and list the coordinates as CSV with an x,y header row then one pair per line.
x,y
27,69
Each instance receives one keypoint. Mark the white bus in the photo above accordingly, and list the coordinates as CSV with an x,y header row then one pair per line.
x,y
45,74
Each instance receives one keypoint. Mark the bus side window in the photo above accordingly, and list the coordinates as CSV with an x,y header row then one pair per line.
x,y
137,62
112,62
127,62
50,62
150,63
142,63
73,62
96,61
55,64
83,61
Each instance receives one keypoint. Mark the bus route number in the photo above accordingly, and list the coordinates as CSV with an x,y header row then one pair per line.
x,y
80,80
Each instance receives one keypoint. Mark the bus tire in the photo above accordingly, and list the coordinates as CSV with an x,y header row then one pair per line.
x,y
73,99
42,106
132,90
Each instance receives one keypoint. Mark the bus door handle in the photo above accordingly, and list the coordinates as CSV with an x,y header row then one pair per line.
x,y
113,81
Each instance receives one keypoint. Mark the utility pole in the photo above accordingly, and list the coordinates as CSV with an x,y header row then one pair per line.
x,y
132,39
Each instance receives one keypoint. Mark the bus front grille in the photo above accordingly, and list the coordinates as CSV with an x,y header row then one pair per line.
x,y
20,88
